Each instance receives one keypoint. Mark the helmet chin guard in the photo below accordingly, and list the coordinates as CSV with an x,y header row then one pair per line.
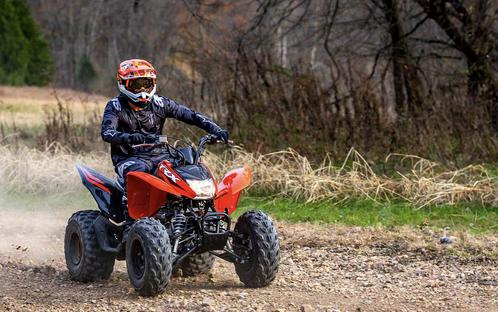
x,y
141,98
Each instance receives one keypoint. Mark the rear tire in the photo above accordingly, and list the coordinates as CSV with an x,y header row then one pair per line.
x,y
148,257
85,260
264,249
197,264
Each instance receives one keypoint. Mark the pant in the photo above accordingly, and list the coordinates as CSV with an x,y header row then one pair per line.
x,y
142,164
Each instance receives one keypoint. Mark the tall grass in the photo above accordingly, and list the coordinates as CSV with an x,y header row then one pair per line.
x,y
24,169
284,173
421,182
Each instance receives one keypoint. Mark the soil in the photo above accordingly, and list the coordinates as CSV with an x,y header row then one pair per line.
x,y
322,269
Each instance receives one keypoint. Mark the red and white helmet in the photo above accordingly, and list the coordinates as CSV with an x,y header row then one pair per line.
x,y
137,80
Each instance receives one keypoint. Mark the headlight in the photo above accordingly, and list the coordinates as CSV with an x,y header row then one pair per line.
x,y
204,189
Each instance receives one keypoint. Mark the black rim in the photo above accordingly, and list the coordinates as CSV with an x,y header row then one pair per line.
x,y
243,245
137,259
75,248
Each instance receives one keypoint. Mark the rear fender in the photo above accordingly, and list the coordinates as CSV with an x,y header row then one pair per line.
x,y
94,183
230,187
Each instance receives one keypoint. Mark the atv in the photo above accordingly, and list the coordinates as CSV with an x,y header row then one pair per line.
x,y
177,219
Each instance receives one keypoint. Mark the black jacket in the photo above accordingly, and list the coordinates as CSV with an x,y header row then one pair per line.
x,y
120,121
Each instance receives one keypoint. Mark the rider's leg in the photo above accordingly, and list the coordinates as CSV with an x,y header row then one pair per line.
x,y
128,165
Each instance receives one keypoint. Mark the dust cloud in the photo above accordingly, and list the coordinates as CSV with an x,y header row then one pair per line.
x,y
31,234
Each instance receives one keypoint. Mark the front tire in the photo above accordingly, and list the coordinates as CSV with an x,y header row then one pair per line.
x,y
85,260
260,246
148,257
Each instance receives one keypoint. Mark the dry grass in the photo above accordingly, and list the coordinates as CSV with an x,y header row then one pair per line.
x,y
53,171
284,173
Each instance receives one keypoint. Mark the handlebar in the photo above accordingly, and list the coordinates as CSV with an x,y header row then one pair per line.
x,y
229,142
162,141
145,145
212,139
208,139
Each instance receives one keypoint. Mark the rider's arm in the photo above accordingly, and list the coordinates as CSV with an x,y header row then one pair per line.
x,y
187,115
110,124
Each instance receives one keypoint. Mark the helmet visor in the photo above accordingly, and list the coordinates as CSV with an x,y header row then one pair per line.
x,y
142,84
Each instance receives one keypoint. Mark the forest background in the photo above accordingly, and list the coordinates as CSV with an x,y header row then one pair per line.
x,y
382,76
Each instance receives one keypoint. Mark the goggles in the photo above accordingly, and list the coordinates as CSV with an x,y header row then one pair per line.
x,y
139,84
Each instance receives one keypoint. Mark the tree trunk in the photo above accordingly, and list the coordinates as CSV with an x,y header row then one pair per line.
x,y
407,83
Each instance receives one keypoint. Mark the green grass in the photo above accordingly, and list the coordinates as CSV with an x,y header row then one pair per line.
x,y
492,169
368,213
473,218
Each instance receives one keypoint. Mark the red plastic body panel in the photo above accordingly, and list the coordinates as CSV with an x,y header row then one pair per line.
x,y
166,172
230,187
146,194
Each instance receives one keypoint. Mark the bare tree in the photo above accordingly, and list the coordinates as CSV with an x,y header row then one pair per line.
x,y
380,75
472,30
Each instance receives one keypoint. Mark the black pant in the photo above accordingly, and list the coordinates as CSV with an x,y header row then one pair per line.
x,y
142,164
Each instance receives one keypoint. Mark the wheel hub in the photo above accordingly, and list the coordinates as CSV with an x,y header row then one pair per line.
x,y
137,259
75,250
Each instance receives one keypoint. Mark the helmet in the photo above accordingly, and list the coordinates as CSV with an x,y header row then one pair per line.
x,y
137,80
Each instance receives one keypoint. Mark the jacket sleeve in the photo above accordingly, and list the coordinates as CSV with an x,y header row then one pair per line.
x,y
187,115
109,131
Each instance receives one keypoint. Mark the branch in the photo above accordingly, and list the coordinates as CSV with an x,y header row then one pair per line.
x,y
329,28
435,9
462,13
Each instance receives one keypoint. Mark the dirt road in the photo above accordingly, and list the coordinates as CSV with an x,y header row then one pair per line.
x,y
322,269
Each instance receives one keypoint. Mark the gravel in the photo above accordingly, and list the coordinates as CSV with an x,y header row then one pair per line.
x,y
322,269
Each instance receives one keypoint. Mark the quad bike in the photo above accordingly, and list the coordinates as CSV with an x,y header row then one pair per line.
x,y
176,219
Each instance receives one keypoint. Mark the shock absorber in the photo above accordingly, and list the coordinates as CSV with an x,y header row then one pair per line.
x,y
179,223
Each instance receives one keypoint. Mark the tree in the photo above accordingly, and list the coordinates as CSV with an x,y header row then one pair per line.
x,y
471,27
24,55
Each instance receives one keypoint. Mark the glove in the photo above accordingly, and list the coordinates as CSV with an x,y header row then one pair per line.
x,y
136,138
222,135
150,138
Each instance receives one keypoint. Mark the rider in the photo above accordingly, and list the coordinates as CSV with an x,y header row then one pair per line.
x,y
137,116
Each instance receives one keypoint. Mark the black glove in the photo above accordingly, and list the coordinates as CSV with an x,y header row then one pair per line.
x,y
150,138
136,138
222,135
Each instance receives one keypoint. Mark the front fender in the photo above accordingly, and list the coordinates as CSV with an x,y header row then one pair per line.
x,y
147,193
230,187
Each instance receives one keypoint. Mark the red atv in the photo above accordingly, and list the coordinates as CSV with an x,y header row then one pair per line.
x,y
178,218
